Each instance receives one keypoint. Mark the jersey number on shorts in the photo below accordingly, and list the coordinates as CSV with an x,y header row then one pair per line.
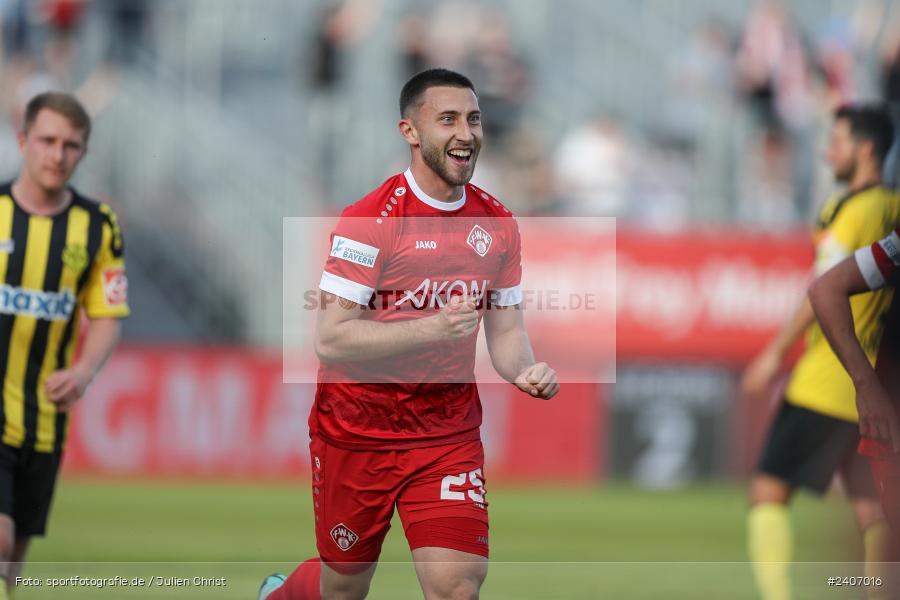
x,y
474,477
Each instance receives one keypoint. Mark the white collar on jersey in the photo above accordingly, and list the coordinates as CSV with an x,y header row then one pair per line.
x,y
432,202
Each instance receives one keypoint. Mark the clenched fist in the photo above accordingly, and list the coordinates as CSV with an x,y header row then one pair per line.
x,y
459,317
539,380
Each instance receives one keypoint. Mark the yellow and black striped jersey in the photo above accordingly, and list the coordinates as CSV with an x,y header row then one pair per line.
x,y
50,266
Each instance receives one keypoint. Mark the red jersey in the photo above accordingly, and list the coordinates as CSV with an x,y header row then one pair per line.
x,y
402,255
880,266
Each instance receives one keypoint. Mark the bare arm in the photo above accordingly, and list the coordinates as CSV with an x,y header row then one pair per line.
x,y
830,298
342,336
512,355
66,386
507,341
762,370
793,330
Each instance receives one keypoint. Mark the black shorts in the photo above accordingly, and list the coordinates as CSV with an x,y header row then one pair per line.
x,y
806,448
27,480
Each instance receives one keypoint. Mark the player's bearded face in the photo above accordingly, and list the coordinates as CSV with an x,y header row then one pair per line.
x,y
449,127
841,152
452,170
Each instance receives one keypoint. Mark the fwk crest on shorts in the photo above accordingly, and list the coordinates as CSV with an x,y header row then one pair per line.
x,y
439,492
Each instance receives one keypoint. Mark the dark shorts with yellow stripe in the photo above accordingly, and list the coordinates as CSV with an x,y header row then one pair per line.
x,y
27,481
806,448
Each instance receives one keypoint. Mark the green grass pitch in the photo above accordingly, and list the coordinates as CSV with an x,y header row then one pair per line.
x,y
547,542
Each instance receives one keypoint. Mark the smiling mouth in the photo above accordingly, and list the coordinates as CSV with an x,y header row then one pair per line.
x,y
461,157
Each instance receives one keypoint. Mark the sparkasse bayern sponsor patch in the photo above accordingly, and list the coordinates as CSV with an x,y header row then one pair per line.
x,y
343,536
353,251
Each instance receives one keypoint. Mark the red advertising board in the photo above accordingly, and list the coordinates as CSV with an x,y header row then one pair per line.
x,y
683,298
712,296
709,296
225,412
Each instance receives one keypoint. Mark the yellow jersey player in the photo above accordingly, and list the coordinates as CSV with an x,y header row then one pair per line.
x,y
878,388
815,433
59,252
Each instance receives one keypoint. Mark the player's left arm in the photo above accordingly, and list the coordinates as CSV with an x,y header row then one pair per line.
x,y
512,355
66,386
830,298
105,301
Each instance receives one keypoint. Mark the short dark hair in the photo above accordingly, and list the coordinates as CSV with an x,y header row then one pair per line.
x,y
870,123
414,88
65,104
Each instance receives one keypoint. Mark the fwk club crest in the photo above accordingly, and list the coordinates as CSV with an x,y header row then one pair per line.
x,y
343,536
480,240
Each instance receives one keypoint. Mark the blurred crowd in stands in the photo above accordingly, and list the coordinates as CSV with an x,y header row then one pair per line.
x,y
664,115
780,84
45,47
775,82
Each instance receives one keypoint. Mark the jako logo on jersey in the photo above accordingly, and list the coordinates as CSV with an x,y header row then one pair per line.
x,y
49,306
400,191
8,246
343,537
437,293
480,240
353,251
426,245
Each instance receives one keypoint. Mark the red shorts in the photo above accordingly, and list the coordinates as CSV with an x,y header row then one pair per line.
x,y
886,472
439,492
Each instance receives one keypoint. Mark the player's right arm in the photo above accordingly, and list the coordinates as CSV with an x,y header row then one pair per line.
x,y
762,370
343,336
835,243
361,248
869,269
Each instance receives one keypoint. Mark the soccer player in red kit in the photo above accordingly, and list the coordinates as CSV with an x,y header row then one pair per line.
x,y
878,387
414,269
